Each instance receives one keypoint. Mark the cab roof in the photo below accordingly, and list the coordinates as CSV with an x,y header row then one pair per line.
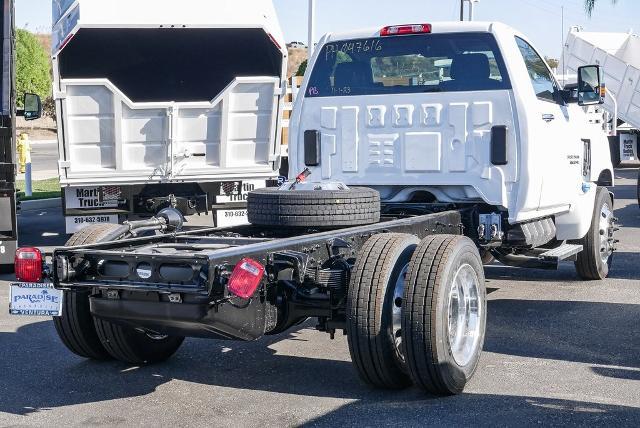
x,y
436,27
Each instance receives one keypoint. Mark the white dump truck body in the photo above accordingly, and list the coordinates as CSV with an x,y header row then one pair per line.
x,y
159,91
425,130
619,56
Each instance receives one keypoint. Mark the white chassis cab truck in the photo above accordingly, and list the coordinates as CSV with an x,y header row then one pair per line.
x,y
416,149
463,113
163,103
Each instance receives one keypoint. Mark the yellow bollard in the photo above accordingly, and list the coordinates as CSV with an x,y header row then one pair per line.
x,y
24,152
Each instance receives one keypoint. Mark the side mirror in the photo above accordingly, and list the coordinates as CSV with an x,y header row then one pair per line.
x,y
590,88
32,107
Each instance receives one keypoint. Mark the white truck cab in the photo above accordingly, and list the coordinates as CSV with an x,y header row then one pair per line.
x,y
463,113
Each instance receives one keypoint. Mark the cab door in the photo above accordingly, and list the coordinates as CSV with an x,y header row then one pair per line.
x,y
554,137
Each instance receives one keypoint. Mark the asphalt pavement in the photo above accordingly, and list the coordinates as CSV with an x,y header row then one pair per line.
x,y
558,352
44,160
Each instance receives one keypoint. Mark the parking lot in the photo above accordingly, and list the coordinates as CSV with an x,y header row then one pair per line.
x,y
557,351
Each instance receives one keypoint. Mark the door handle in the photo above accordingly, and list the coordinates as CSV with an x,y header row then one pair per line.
x,y
548,117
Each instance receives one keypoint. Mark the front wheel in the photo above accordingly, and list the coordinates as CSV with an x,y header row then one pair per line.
x,y
594,261
444,314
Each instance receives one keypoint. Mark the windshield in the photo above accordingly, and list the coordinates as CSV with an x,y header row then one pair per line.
x,y
409,64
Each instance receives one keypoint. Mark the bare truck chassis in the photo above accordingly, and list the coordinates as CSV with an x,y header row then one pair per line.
x,y
175,283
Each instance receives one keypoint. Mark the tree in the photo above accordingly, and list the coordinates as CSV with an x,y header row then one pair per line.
x,y
33,68
591,4
302,69
553,63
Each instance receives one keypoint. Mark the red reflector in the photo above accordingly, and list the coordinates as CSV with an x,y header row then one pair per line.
x,y
66,41
400,30
246,277
275,42
28,264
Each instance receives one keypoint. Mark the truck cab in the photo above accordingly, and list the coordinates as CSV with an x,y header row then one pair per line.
x,y
464,112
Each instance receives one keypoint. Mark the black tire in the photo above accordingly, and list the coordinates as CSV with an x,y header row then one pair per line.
x,y
314,208
96,339
370,303
431,359
590,265
135,347
75,327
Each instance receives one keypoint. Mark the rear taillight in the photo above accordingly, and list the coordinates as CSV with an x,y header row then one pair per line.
x,y
28,265
401,30
246,278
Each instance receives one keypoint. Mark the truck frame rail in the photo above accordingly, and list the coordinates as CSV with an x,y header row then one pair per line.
x,y
176,283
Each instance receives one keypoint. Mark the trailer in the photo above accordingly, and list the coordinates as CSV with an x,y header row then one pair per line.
x,y
619,56
166,104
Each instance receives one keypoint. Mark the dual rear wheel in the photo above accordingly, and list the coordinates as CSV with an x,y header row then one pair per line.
x,y
98,339
416,312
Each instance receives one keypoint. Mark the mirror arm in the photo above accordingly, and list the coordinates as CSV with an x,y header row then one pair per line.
x,y
566,95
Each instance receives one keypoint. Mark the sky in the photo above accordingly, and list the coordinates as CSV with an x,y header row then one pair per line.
x,y
539,20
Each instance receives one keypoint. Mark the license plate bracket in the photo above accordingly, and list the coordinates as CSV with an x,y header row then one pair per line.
x,y
35,299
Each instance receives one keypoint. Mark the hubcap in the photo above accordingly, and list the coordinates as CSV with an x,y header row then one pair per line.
x,y
398,295
465,312
606,227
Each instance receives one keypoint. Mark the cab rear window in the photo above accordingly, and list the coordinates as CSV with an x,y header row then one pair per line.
x,y
451,62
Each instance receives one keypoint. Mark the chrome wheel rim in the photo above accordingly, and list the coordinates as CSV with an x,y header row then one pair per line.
x,y
464,315
606,233
398,295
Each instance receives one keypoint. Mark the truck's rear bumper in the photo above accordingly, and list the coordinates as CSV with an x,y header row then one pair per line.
x,y
224,321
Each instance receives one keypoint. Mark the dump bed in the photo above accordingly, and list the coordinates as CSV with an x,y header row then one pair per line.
x,y
619,56
166,91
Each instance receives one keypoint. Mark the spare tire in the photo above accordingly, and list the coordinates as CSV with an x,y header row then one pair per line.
x,y
314,208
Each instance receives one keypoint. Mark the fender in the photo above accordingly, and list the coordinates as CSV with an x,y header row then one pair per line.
x,y
575,224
